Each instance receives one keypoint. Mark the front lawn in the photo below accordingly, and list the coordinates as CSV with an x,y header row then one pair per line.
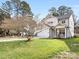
x,y
35,49
73,44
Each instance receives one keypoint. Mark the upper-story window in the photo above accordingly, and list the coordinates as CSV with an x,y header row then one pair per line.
x,y
50,22
63,21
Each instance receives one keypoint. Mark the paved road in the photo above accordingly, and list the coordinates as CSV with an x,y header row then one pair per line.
x,y
7,39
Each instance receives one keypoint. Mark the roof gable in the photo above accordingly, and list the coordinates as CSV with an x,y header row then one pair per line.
x,y
66,16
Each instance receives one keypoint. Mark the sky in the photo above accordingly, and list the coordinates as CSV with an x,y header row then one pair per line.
x,y
41,7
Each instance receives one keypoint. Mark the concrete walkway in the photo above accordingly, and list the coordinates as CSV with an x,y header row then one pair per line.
x,y
8,39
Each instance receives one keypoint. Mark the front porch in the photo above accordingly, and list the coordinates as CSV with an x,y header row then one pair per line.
x,y
58,32
61,31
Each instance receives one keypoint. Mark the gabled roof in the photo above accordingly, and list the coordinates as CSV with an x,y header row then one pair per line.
x,y
66,16
47,17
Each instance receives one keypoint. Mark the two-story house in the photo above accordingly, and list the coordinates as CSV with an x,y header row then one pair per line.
x,y
57,27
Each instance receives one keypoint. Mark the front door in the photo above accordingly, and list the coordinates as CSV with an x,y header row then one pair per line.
x,y
61,33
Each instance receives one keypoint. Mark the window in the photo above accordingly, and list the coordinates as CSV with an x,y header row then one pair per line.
x,y
63,21
50,22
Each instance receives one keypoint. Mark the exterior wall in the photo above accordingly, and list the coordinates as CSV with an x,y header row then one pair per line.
x,y
52,21
43,33
68,33
46,33
66,22
52,33
70,30
71,25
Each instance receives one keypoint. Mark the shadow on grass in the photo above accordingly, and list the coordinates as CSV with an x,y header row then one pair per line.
x,y
48,38
73,44
57,38
28,41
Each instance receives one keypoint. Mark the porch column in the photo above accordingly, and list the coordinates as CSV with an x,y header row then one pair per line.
x,y
55,32
65,33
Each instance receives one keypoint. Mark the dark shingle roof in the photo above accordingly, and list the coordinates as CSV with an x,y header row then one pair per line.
x,y
66,16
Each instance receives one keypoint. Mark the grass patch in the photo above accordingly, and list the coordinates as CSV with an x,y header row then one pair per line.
x,y
73,44
35,49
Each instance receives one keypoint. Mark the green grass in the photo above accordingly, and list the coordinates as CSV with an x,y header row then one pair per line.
x,y
73,44
37,49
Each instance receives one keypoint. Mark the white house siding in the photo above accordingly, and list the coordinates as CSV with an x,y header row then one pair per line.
x,y
43,33
67,30
66,22
70,30
71,25
68,33
52,33
52,21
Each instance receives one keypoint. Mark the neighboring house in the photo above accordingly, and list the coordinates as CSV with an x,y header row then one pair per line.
x,y
59,27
